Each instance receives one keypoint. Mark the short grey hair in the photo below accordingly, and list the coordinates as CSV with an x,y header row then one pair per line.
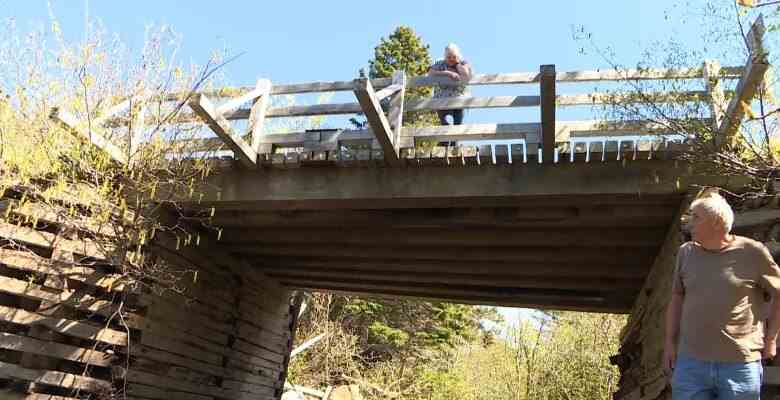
x,y
453,49
717,208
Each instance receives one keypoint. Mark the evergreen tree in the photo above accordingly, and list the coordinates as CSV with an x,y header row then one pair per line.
x,y
402,50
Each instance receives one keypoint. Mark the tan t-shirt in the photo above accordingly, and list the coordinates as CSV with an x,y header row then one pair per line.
x,y
722,318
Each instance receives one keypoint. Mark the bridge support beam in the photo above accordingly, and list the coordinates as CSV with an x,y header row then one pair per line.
x,y
369,103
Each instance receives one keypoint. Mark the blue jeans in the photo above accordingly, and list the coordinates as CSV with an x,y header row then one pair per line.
x,y
705,380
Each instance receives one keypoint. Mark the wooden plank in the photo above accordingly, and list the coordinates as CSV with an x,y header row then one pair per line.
x,y
576,301
247,387
291,274
217,122
629,98
70,123
447,253
49,240
395,113
547,91
27,261
53,378
377,120
488,237
616,268
63,326
714,88
185,361
155,393
9,341
182,348
76,300
388,91
149,379
257,115
485,79
746,90
263,87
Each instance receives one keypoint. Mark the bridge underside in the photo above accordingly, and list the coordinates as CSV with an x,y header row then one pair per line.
x,y
580,237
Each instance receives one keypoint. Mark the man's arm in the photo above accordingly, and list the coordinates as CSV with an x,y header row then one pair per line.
x,y
773,326
672,332
449,74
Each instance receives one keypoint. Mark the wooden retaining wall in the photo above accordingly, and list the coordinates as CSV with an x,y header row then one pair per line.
x,y
69,327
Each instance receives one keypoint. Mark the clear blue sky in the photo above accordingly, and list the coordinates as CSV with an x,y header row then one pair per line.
x,y
299,41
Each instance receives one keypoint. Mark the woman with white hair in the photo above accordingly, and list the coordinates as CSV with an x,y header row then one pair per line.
x,y
453,66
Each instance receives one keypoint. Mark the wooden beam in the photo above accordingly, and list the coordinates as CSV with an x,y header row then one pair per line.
x,y
377,120
485,79
510,185
257,116
561,216
616,268
579,301
395,113
203,108
488,237
288,273
751,78
552,254
69,122
712,83
53,378
547,95
388,91
263,86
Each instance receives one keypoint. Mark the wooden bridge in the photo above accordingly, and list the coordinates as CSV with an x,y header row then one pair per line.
x,y
549,217
579,215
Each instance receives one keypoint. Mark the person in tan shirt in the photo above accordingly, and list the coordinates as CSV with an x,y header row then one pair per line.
x,y
715,338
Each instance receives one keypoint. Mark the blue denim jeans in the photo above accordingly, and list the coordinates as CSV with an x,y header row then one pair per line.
x,y
704,380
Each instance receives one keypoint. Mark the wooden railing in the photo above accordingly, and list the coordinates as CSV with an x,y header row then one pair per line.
x,y
387,142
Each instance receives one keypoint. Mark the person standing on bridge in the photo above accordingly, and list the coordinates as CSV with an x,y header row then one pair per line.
x,y
453,66
715,338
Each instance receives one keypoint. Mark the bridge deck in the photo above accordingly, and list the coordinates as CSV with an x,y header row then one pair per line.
x,y
554,236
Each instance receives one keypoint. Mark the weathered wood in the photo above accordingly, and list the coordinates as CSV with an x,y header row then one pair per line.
x,y
70,123
291,274
27,261
160,355
714,88
576,301
388,91
53,378
395,113
217,122
432,188
151,392
616,268
257,116
490,237
24,344
534,255
629,98
63,326
547,94
377,120
79,301
45,239
746,90
263,87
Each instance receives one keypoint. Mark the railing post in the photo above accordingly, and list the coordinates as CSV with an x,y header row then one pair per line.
x,y
547,97
711,75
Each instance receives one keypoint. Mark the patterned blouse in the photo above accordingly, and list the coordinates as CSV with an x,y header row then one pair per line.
x,y
448,91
